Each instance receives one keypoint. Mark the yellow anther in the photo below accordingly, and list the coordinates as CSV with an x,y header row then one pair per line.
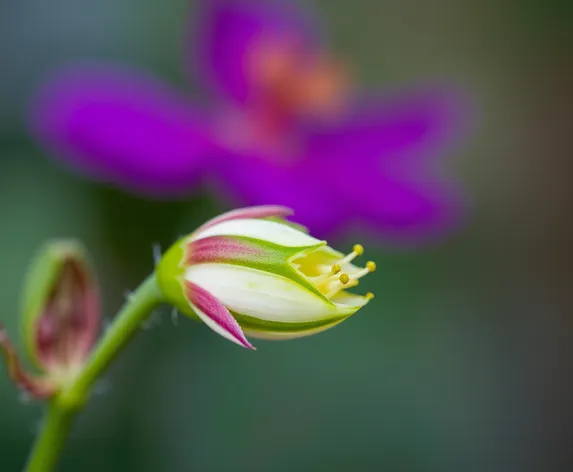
x,y
371,266
358,249
369,296
344,278
335,269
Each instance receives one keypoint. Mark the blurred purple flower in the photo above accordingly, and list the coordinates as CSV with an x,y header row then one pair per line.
x,y
284,127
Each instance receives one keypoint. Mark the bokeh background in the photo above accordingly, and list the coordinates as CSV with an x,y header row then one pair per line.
x,y
464,362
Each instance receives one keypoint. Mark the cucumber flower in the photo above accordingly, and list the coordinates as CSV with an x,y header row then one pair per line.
x,y
279,112
251,272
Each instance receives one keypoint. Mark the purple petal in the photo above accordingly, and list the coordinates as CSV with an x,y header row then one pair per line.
x,y
228,31
396,133
380,160
327,197
256,180
215,315
122,127
262,211
407,212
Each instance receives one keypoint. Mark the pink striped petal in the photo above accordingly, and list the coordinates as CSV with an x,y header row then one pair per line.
x,y
223,249
262,211
215,315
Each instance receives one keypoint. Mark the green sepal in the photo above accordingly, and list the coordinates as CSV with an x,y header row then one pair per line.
x,y
171,277
263,326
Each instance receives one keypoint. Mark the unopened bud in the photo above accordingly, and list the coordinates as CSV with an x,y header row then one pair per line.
x,y
60,318
60,307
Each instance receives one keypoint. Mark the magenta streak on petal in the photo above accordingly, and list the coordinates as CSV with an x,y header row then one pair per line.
x,y
262,211
215,315
221,249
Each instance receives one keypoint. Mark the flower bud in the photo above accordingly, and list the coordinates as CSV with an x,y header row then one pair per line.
x,y
60,318
251,271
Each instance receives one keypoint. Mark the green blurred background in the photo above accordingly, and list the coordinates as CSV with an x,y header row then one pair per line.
x,y
464,362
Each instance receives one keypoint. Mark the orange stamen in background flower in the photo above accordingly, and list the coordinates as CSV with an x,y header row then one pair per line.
x,y
292,82
288,82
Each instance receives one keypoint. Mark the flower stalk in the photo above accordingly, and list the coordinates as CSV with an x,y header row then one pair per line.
x,y
68,402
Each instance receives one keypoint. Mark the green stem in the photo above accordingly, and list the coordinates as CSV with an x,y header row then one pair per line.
x,y
69,401
51,440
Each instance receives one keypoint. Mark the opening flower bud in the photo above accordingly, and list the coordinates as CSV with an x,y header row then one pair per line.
x,y
60,317
251,271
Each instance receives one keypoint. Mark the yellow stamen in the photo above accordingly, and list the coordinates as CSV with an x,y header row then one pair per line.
x,y
369,296
330,275
338,286
358,249
340,275
370,267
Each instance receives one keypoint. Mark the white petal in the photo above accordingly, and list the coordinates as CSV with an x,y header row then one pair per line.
x,y
265,230
346,300
262,295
